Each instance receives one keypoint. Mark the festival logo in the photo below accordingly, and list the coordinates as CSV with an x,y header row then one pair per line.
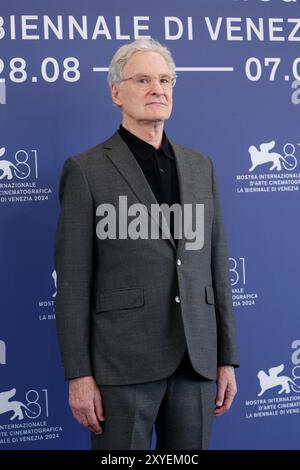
x,y
19,177
242,295
7,168
264,155
278,389
27,419
273,168
46,305
15,407
54,276
272,379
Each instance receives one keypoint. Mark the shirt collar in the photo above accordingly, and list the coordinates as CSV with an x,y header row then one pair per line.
x,y
142,149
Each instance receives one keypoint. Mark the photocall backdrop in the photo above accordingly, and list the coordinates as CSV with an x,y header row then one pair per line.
x,y
237,100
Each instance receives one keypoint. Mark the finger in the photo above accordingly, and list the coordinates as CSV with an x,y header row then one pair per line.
x,y
220,410
221,387
228,399
229,396
93,422
99,407
86,419
93,426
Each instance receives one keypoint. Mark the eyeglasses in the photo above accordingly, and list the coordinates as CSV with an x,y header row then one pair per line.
x,y
146,81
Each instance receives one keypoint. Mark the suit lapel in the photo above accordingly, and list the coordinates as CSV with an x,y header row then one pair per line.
x,y
125,162
185,181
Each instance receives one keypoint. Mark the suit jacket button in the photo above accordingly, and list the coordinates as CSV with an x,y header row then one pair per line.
x,y
179,262
177,299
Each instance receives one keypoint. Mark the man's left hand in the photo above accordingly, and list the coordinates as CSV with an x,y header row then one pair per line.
x,y
226,389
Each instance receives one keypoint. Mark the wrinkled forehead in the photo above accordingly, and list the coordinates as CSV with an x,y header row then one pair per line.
x,y
146,62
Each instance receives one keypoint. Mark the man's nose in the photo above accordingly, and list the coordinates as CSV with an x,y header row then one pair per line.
x,y
156,86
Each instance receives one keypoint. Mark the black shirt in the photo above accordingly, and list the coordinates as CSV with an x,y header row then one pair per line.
x,y
158,166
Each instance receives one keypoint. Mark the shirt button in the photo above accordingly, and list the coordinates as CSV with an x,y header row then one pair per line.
x,y
161,170
179,262
177,299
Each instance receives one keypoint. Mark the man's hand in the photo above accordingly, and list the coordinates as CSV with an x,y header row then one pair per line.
x,y
86,403
226,389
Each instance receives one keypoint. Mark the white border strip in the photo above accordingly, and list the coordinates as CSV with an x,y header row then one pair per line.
x,y
204,69
183,69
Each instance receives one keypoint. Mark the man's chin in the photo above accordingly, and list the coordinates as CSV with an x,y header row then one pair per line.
x,y
154,119
158,117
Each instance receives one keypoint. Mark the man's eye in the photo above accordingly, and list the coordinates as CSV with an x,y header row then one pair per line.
x,y
164,80
144,80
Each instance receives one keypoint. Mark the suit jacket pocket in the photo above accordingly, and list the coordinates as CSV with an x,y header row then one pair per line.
x,y
209,295
117,299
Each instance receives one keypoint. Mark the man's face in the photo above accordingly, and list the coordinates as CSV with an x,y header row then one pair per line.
x,y
144,105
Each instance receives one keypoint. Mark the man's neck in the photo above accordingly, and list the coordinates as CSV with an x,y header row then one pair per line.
x,y
150,132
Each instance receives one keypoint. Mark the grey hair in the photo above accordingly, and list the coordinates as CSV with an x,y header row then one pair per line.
x,y
124,53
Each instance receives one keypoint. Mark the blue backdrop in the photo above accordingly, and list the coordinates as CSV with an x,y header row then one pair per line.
x,y
237,99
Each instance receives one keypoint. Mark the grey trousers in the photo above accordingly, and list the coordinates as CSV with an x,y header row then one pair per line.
x,y
179,406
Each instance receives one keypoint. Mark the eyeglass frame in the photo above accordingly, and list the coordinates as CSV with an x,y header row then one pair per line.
x,y
173,80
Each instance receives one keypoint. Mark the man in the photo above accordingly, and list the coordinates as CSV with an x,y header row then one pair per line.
x,y
145,324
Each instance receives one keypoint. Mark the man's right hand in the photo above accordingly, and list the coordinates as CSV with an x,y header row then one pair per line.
x,y
86,403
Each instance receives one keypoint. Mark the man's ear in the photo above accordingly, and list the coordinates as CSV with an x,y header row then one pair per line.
x,y
115,95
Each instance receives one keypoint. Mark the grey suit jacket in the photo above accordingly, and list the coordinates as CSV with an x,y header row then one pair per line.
x,y
117,317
